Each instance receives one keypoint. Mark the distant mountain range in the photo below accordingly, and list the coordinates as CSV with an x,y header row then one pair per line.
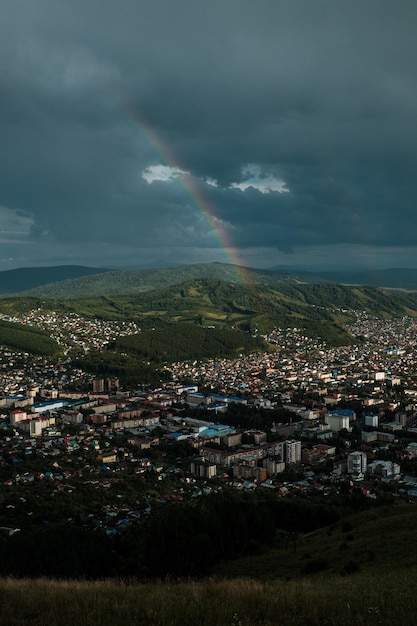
x,y
71,281
393,278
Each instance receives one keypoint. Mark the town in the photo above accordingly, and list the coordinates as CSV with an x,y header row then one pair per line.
x,y
301,418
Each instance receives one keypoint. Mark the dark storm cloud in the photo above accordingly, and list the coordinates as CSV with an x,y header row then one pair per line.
x,y
318,95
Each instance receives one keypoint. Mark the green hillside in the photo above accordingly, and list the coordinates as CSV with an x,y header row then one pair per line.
x,y
379,539
27,339
321,309
184,341
255,309
131,370
137,359
372,299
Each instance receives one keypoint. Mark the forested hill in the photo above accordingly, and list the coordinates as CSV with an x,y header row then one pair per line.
x,y
71,281
26,338
185,341
137,281
135,358
372,299
321,309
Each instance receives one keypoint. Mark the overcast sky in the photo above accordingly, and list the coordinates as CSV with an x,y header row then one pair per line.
x,y
293,124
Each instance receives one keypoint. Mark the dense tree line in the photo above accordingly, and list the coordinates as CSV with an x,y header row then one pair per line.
x,y
178,540
131,370
373,299
248,417
175,342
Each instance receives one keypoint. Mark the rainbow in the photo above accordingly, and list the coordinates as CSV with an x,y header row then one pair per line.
x,y
195,194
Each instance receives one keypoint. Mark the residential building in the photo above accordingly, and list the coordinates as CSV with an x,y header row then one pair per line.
x,y
203,469
356,463
292,451
339,419
273,465
384,469
371,420
310,456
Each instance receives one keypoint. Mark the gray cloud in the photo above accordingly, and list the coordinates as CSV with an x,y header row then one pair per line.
x,y
321,96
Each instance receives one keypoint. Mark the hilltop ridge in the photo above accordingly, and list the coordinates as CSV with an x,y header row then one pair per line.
x,y
69,281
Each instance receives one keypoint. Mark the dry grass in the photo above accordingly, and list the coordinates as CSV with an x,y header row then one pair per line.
x,y
343,601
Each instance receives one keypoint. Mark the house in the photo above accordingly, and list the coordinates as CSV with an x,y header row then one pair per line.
x,y
325,450
310,457
107,457
384,470
258,436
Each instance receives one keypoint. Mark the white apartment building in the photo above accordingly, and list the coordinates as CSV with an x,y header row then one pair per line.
x,y
371,420
356,463
292,451
338,420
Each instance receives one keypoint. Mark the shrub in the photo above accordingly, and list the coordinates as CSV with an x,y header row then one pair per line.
x,y
315,565
371,555
350,568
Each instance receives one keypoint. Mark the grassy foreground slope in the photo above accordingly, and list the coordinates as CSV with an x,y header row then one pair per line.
x,y
358,599
370,578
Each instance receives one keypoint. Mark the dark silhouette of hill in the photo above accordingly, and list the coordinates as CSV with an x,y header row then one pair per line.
x,y
25,278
